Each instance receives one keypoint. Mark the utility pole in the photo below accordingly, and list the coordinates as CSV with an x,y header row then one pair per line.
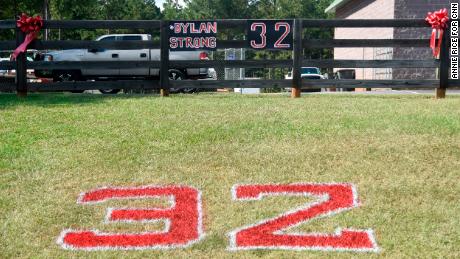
x,y
16,13
46,16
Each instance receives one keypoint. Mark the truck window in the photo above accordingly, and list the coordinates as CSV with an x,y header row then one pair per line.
x,y
109,38
310,70
131,37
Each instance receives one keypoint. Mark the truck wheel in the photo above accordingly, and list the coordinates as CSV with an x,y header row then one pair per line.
x,y
189,90
109,91
68,76
175,74
311,90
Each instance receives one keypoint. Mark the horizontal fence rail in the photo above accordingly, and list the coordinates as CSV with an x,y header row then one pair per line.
x,y
368,43
182,64
210,84
310,83
227,23
96,85
337,63
364,23
164,64
222,44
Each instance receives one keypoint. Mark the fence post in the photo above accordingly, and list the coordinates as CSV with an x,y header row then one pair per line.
x,y
445,66
297,59
21,67
164,57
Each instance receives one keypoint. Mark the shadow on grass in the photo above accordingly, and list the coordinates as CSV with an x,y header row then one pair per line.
x,y
378,95
8,100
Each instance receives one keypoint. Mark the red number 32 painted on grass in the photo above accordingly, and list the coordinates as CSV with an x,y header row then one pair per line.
x,y
184,220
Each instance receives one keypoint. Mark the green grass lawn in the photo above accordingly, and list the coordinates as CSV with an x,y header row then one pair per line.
x,y
402,153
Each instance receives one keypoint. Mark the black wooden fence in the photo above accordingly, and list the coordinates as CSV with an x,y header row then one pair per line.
x,y
22,87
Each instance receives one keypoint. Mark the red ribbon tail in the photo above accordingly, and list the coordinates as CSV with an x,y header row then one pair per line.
x,y
433,41
438,48
23,47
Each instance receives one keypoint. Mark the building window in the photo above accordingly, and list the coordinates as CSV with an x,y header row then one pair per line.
x,y
383,54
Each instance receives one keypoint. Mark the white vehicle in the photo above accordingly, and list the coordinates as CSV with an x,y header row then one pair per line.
x,y
121,55
12,72
307,73
3,71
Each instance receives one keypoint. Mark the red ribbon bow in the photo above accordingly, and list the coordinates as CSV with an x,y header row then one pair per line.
x,y
439,22
31,26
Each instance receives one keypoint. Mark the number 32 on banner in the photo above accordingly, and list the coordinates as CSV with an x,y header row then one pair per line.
x,y
270,34
183,220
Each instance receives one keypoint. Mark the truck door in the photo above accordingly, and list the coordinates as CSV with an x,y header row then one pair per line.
x,y
134,55
102,55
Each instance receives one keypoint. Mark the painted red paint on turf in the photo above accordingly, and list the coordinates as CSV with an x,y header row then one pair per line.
x,y
333,198
183,220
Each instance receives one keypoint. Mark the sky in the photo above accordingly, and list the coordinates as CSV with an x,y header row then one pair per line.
x,y
159,3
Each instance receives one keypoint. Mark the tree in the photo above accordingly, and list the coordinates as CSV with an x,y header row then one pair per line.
x,y
172,10
129,9
103,9
217,9
10,9
236,9
74,10
199,9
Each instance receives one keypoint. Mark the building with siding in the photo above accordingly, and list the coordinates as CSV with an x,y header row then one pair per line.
x,y
385,9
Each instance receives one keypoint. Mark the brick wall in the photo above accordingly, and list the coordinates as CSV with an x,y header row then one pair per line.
x,y
365,9
387,9
415,9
